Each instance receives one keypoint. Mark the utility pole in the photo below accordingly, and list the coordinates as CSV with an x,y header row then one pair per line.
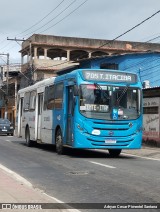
x,y
7,76
6,93
16,39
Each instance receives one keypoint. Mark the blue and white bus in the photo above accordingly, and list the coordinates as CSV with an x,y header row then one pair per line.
x,y
86,109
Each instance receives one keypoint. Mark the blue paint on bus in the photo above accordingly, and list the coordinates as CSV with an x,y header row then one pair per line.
x,y
98,109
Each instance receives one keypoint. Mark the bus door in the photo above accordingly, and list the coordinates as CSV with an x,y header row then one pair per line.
x,y
40,106
70,113
20,117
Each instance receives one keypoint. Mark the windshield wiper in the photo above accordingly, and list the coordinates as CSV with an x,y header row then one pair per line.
x,y
122,94
103,93
97,86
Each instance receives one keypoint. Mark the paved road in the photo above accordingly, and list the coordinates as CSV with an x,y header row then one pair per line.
x,y
84,176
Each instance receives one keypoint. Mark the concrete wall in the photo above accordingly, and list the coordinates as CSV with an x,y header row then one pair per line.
x,y
87,42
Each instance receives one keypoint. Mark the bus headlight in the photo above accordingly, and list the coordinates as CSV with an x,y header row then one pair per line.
x,y
96,132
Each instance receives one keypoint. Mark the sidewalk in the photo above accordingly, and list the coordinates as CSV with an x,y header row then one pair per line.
x,y
146,151
15,189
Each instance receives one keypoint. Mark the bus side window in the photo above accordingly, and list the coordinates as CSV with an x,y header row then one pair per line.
x,y
26,101
32,100
50,97
58,95
45,98
18,101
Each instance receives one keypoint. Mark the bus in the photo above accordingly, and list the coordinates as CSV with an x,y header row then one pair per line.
x,y
84,109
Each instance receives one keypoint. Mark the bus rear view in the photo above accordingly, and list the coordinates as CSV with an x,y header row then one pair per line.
x,y
108,111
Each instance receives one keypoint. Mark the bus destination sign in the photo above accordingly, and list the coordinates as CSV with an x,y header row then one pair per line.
x,y
109,76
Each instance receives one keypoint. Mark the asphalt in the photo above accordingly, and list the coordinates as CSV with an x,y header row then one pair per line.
x,y
19,194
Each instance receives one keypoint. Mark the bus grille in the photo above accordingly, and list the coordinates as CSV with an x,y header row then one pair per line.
x,y
123,135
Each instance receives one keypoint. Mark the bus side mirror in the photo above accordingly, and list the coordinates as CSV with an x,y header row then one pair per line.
x,y
75,90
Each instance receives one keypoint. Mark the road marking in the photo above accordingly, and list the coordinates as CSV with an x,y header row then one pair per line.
x,y
101,164
8,141
140,156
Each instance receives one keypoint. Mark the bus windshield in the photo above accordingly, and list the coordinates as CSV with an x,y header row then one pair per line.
x,y
98,101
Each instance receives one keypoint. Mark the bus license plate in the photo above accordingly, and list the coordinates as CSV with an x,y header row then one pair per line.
x,y
110,141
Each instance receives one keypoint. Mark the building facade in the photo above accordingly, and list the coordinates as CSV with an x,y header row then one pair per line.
x,y
151,117
146,65
8,91
44,56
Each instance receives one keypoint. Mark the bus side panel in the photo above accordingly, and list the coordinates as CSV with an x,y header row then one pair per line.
x,y
24,123
28,119
58,122
46,130
31,124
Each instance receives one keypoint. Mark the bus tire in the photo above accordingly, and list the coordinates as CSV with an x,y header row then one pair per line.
x,y
59,142
114,152
28,141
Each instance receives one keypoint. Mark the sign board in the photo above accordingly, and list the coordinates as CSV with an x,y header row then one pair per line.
x,y
151,102
151,122
108,76
114,113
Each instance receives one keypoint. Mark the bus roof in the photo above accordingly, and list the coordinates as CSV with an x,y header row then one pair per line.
x,y
39,84
73,74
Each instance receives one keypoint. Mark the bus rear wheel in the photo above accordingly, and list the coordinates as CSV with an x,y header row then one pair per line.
x,y
59,142
114,152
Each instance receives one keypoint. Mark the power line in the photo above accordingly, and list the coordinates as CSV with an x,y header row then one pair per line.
x,y
59,15
38,22
117,36
132,28
66,16
35,23
114,38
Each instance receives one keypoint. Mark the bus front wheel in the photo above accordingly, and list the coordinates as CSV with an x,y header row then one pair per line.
x,y
59,142
114,152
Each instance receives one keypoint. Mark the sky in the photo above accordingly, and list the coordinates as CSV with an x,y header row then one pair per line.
x,y
100,19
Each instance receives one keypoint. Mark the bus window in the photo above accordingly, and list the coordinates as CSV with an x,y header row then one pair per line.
x,y
18,99
49,101
98,102
32,100
58,95
26,100
40,101
45,98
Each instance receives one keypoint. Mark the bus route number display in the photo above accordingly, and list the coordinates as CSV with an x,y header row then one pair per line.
x,y
109,76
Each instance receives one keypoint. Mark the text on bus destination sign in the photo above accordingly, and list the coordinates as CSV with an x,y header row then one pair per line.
x,y
109,76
